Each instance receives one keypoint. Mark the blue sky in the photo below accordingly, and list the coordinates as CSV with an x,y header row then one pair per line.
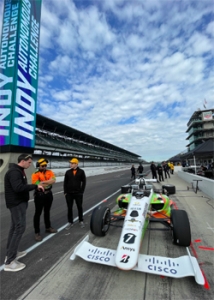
x,y
128,72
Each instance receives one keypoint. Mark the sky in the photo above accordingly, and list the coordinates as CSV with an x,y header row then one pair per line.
x,y
130,73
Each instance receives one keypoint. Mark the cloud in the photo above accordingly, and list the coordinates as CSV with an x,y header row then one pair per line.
x,y
128,72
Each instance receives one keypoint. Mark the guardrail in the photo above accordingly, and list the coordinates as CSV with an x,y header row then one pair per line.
x,y
205,185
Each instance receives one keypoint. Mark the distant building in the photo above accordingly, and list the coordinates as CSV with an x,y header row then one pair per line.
x,y
200,128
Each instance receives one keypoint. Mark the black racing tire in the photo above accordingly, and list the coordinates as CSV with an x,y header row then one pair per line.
x,y
100,220
169,188
181,233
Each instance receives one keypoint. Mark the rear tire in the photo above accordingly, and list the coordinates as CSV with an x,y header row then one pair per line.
x,y
181,228
170,189
100,220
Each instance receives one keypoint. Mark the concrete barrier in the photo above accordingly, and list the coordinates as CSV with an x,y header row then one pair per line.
x,y
206,185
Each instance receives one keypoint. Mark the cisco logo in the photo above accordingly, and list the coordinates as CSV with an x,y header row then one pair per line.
x,y
162,265
96,254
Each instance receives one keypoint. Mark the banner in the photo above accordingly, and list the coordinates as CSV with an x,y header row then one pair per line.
x,y
19,60
207,115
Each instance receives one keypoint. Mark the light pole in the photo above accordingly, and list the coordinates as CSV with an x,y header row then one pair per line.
x,y
194,163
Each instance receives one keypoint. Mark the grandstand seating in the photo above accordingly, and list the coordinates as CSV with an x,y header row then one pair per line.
x,y
68,141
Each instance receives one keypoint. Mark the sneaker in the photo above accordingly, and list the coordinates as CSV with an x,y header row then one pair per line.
x,y
38,237
69,226
51,230
18,255
14,266
82,225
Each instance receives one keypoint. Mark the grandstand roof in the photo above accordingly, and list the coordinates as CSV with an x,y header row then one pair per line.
x,y
46,124
205,149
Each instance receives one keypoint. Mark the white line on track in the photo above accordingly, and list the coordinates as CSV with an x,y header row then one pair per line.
x,y
209,227
61,228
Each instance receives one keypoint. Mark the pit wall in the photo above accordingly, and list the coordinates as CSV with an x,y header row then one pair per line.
x,y
206,185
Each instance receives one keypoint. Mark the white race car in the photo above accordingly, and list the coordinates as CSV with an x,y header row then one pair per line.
x,y
138,212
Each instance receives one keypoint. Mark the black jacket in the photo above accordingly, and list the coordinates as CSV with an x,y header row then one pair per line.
x,y
160,170
166,167
16,187
74,183
153,168
140,169
133,170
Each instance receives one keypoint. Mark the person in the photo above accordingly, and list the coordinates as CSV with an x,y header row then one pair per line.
x,y
209,166
43,200
140,169
16,198
172,167
154,170
203,168
160,172
166,169
202,171
132,172
74,187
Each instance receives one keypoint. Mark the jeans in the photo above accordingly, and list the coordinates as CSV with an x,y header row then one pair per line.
x,y
70,201
17,228
41,201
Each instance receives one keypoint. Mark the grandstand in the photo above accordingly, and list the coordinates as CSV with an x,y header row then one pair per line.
x,y
59,141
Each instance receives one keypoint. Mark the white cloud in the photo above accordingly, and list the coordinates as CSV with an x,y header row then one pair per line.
x,y
210,28
128,72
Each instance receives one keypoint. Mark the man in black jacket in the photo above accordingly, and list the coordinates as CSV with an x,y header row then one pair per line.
x,y
166,169
74,187
140,169
153,168
16,197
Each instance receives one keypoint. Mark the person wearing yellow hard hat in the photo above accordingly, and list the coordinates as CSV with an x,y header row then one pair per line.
x,y
43,201
74,187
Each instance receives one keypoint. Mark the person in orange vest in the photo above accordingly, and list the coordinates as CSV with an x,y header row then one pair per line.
x,y
43,200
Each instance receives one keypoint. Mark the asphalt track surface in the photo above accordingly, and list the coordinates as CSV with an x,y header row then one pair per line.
x,y
47,253
51,275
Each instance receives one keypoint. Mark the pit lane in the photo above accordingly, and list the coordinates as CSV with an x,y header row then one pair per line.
x,y
51,275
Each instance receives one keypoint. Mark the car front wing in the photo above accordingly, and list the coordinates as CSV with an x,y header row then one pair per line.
x,y
179,267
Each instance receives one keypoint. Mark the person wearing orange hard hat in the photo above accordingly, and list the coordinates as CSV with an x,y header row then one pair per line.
x,y
74,187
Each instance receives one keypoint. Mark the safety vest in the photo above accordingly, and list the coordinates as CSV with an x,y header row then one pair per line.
x,y
39,176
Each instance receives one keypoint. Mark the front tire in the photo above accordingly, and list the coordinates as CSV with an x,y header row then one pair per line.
x,y
100,220
180,228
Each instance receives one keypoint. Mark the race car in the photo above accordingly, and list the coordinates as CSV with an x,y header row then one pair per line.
x,y
160,209
139,205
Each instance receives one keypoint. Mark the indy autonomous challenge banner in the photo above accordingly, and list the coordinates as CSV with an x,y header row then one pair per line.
x,y
19,57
